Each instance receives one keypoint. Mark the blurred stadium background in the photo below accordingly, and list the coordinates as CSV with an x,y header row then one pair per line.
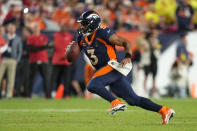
x,y
35,33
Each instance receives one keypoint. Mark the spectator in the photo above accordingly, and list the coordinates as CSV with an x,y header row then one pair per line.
x,y
178,76
181,51
155,54
184,14
70,20
3,48
38,58
59,14
28,20
136,61
142,3
48,7
151,66
3,44
180,69
111,10
166,9
125,19
10,58
62,69
22,74
10,13
145,60
152,17
37,18
15,16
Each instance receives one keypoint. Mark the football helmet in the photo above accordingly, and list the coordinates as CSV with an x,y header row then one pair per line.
x,y
90,21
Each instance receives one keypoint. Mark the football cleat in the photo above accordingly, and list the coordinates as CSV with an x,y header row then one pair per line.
x,y
117,105
167,114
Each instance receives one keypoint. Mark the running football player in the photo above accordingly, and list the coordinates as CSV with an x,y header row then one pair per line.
x,y
99,45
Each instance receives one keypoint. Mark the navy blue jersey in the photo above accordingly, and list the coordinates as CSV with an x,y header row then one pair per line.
x,y
98,48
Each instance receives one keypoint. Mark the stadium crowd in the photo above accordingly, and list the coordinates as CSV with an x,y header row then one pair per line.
x,y
27,45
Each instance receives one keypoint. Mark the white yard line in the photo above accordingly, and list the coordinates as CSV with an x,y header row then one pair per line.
x,y
58,110
51,110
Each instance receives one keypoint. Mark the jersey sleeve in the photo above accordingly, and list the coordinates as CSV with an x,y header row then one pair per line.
x,y
106,32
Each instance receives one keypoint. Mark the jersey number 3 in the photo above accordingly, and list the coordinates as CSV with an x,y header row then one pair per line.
x,y
93,57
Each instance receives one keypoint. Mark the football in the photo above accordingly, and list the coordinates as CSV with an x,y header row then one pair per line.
x,y
72,51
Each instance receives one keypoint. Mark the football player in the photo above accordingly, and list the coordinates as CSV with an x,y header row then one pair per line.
x,y
98,43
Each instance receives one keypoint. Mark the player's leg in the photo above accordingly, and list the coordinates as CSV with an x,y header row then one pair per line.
x,y
123,89
97,86
104,76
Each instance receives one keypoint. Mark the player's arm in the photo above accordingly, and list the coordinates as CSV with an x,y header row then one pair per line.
x,y
120,41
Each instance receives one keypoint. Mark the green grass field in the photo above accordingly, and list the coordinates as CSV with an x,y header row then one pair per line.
x,y
78,114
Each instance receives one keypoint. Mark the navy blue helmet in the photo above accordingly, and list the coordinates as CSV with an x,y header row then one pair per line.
x,y
90,21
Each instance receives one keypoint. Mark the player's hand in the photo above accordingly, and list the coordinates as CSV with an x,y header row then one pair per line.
x,y
125,61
